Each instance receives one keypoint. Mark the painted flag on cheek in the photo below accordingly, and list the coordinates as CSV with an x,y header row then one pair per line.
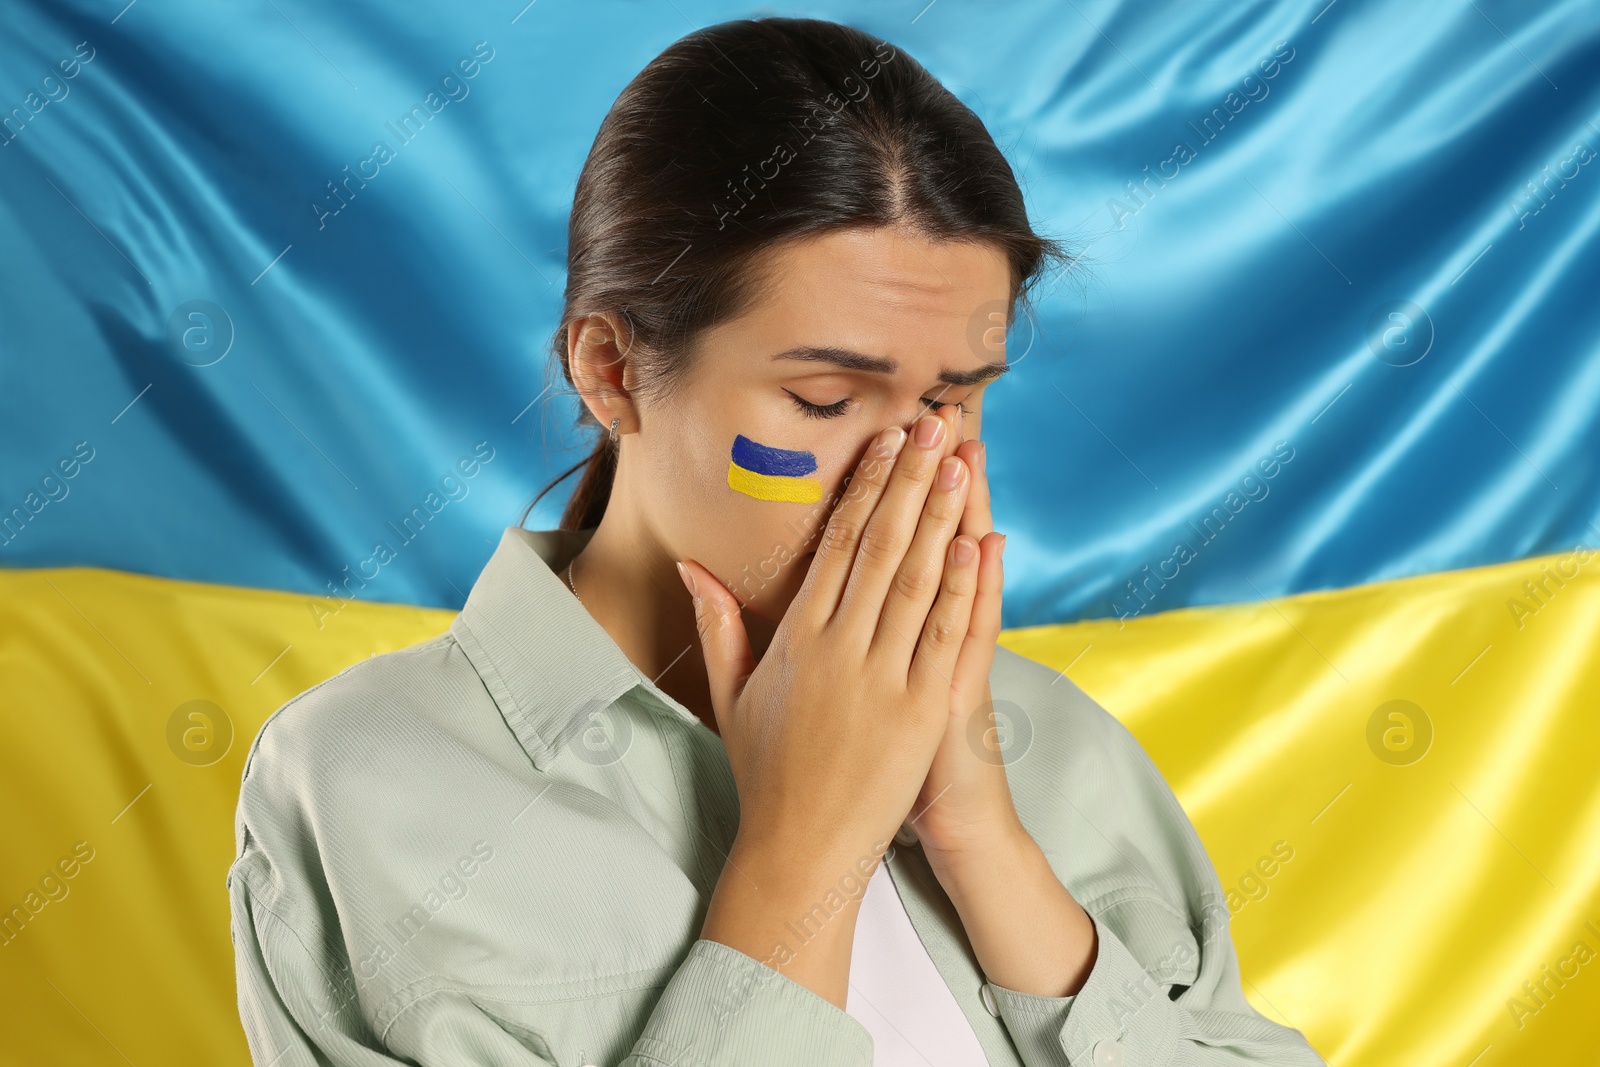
x,y
769,473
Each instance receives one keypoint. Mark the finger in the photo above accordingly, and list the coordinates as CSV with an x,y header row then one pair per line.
x,y
723,640
818,596
978,519
894,522
983,628
916,582
945,631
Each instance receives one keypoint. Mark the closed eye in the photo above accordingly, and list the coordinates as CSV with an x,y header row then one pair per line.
x,y
839,407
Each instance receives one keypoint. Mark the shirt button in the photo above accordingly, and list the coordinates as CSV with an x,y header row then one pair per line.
x,y
987,996
905,836
1107,1053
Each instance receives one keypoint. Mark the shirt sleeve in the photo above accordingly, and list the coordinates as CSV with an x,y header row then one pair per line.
x,y
1129,1012
1122,1016
724,1007
720,1008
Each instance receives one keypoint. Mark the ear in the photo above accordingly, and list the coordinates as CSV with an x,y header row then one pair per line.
x,y
598,348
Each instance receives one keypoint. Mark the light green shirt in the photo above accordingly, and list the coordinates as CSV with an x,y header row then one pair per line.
x,y
497,847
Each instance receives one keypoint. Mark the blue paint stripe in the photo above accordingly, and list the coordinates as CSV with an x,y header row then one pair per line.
x,y
764,459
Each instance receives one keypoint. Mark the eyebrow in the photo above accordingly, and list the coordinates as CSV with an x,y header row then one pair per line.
x,y
860,361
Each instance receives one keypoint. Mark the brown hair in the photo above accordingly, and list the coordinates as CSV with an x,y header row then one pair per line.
x,y
744,134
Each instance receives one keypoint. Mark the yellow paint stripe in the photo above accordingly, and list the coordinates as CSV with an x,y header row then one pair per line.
x,y
773,486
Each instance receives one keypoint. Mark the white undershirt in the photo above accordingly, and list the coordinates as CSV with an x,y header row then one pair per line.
x,y
898,994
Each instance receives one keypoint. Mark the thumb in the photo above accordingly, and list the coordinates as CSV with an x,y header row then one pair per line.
x,y
723,640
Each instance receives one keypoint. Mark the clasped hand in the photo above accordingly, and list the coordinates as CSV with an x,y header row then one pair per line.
x,y
903,594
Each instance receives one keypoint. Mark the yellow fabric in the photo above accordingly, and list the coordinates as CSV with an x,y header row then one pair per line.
x,y
1420,897
136,960
1389,909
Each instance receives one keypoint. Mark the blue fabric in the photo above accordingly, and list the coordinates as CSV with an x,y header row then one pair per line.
x,y
1370,270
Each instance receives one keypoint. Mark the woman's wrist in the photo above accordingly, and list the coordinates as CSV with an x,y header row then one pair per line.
x,y
796,868
795,913
1027,931
970,869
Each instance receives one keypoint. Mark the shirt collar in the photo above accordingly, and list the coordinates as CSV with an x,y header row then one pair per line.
x,y
544,659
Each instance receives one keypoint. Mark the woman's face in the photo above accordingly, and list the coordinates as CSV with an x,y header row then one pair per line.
x,y
860,329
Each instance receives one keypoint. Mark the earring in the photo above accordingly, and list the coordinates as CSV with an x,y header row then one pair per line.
x,y
614,423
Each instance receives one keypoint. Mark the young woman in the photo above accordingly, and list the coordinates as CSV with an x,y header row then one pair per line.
x,y
711,774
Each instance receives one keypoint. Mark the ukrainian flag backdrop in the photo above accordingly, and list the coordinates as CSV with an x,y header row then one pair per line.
x,y
1301,472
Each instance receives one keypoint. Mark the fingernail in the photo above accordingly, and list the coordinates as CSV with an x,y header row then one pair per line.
x,y
930,430
688,582
983,458
1002,552
891,441
949,472
964,550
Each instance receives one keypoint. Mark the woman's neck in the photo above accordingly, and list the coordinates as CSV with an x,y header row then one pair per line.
x,y
630,585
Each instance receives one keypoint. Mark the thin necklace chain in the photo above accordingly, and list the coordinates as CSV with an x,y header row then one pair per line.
x,y
569,579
